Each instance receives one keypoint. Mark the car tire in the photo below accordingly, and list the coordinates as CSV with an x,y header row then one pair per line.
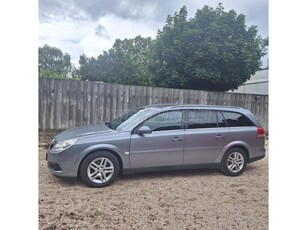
x,y
234,162
99,169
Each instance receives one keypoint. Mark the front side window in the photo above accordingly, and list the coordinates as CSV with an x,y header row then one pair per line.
x,y
198,119
236,119
165,121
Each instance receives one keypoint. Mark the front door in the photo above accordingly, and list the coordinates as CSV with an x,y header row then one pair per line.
x,y
162,147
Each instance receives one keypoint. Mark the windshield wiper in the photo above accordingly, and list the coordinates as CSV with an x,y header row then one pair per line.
x,y
109,124
113,126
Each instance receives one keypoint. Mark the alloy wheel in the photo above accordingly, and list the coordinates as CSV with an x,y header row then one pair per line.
x,y
235,162
100,170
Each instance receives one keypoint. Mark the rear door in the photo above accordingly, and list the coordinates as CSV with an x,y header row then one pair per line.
x,y
162,147
206,135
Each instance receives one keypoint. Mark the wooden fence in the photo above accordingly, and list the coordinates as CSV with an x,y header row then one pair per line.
x,y
66,104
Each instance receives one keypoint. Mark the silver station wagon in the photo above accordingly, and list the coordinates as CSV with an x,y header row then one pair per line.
x,y
159,137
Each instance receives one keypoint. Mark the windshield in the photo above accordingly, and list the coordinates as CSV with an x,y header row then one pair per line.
x,y
133,116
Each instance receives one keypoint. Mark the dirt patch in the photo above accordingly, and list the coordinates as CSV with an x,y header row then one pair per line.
x,y
193,199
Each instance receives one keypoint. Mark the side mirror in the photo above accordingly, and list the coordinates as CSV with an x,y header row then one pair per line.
x,y
144,130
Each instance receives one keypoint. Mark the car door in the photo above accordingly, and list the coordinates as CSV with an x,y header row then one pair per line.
x,y
162,147
206,134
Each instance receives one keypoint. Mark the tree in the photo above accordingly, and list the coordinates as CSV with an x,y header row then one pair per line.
x,y
88,69
53,63
215,50
125,63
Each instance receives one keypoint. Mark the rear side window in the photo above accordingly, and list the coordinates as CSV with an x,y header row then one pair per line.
x,y
198,119
236,119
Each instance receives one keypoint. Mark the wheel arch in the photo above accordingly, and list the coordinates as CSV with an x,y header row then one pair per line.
x,y
98,150
244,149
237,144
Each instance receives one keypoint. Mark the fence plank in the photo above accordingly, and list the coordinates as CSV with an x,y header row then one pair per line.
x,y
43,104
149,94
51,105
100,102
65,112
72,104
126,98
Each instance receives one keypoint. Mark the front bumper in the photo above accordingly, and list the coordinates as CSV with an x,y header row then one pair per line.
x,y
63,164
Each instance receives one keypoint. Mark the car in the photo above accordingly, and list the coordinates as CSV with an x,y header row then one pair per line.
x,y
159,137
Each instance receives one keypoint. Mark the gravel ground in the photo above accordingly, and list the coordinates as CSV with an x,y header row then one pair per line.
x,y
193,199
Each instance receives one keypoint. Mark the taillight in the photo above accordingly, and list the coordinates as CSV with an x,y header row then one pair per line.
x,y
260,132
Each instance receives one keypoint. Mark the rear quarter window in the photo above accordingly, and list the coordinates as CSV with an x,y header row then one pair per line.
x,y
236,119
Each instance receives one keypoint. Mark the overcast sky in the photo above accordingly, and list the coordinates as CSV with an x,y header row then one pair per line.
x,y
91,26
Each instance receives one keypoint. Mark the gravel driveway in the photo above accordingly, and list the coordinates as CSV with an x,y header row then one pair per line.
x,y
193,199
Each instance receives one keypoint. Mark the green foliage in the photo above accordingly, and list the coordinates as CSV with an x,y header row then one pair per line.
x,y
51,74
54,64
125,63
212,51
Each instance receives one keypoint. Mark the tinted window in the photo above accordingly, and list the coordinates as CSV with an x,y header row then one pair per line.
x,y
221,120
236,119
165,121
198,119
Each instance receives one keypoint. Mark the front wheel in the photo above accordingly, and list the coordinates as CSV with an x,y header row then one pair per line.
x,y
234,162
99,169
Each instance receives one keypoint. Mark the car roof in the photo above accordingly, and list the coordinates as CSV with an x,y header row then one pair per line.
x,y
188,106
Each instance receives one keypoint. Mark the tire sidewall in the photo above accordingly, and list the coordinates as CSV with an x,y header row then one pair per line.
x,y
88,159
224,167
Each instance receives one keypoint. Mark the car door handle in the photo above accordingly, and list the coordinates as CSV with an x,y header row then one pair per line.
x,y
219,136
176,139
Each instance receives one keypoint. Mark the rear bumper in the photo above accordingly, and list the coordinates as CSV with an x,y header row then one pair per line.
x,y
256,158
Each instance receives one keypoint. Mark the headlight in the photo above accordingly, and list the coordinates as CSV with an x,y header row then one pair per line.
x,y
59,147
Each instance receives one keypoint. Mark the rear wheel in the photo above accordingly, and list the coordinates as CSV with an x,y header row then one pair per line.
x,y
99,169
234,162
